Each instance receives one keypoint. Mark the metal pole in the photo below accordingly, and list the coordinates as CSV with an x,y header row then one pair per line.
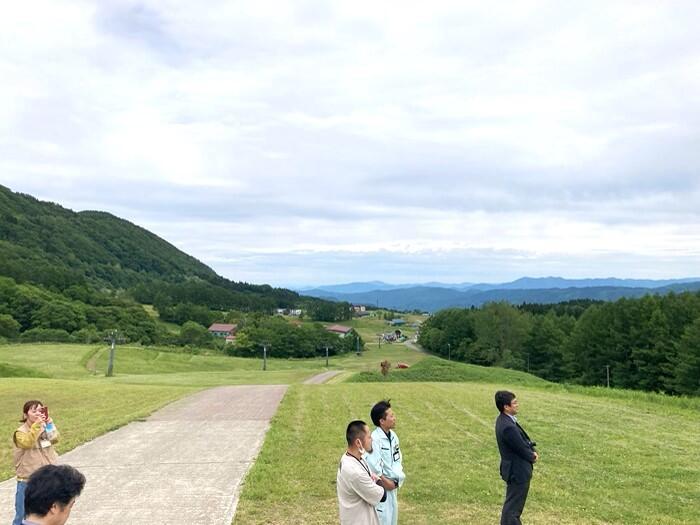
x,y
326,356
264,357
110,363
607,373
449,352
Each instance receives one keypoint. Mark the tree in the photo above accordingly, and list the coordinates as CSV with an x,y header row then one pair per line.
x,y
543,348
500,334
9,328
194,334
687,369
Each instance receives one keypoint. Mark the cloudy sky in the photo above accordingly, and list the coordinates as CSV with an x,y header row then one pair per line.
x,y
316,142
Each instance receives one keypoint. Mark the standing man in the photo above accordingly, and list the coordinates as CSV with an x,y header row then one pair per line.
x,y
518,454
50,494
385,460
358,490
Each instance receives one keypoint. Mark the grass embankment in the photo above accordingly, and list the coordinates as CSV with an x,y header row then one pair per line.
x,y
82,410
620,459
438,370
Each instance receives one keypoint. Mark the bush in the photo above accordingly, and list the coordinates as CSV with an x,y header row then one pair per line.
x,y
55,335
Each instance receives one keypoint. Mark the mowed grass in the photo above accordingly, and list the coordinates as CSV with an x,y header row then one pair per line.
x,y
623,459
82,410
49,359
440,370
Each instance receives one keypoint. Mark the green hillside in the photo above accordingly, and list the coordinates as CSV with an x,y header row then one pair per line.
x,y
42,242
67,276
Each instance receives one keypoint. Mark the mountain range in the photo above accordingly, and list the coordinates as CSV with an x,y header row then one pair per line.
x,y
434,296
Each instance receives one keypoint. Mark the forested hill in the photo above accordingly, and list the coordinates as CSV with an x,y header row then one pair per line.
x,y
72,272
42,242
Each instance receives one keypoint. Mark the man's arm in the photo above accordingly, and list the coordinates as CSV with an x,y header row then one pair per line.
x,y
367,489
512,437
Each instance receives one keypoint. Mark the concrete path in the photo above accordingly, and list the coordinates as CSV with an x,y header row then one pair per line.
x,y
182,466
322,377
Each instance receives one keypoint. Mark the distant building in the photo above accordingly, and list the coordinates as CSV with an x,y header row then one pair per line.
x,y
341,330
223,330
287,311
358,307
397,322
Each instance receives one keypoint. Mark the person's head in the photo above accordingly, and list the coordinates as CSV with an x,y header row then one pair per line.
x,y
383,416
51,492
358,436
506,402
31,411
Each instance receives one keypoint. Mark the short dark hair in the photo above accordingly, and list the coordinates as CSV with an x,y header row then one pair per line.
x,y
356,429
49,485
379,411
503,398
28,406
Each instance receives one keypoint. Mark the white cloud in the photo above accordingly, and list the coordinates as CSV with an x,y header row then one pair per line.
x,y
534,135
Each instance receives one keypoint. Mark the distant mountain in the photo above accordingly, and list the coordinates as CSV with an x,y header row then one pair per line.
x,y
430,299
540,283
524,283
371,286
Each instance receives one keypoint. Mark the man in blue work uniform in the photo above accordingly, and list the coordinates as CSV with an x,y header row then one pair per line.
x,y
386,460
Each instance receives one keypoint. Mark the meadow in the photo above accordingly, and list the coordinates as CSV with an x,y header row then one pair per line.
x,y
608,456
70,379
604,460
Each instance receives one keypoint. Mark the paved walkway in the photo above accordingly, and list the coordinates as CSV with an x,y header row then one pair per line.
x,y
322,377
182,466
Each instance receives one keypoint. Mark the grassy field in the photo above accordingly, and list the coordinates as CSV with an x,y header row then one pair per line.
x,y
65,361
608,456
436,369
621,460
82,409
70,378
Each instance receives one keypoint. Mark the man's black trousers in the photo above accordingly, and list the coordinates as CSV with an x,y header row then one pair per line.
x,y
516,494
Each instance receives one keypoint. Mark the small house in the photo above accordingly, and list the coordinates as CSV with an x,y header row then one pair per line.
x,y
341,330
223,330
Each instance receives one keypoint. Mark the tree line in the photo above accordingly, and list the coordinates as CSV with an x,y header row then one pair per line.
x,y
651,343
79,313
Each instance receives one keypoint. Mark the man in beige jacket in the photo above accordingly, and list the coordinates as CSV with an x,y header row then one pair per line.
x,y
358,490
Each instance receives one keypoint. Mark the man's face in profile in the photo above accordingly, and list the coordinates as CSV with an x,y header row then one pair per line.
x,y
511,409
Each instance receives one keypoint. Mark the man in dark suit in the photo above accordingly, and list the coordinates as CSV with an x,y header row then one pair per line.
x,y
518,454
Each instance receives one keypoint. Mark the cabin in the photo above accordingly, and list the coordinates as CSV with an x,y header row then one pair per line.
x,y
223,330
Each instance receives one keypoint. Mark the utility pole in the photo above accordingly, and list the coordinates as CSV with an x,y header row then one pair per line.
x,y
449,352
357,344
112,338
607,373
264,356
326,356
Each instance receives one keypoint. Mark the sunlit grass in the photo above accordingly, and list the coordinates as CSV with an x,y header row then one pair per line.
x,y
604,460
82,410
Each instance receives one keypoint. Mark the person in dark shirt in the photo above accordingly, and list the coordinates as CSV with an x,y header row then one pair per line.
x,y
518,455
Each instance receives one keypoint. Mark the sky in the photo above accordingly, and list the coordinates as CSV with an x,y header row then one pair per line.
x,y
303,143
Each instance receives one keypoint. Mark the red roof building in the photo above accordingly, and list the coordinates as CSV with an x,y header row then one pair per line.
x,y
339,329
223,330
